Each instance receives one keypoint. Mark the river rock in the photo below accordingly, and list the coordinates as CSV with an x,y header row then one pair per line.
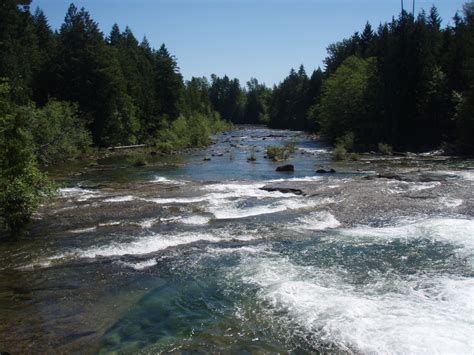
x,y
287,167
283,189
324,171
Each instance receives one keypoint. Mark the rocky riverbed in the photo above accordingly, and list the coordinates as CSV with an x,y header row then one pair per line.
x,y
212,251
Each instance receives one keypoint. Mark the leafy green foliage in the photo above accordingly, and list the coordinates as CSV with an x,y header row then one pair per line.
x,y
385,149
22,186
21,197
189,131
339,153
343,100
58,132
277,153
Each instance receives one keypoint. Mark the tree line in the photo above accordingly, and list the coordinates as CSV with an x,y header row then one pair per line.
x,y
407,85
63,92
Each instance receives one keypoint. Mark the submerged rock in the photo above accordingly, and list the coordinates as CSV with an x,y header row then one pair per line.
x,y
287,167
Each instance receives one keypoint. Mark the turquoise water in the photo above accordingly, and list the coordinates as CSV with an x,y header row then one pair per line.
x,y
193,255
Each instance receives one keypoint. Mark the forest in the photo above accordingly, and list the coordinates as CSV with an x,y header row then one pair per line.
x,y
407,85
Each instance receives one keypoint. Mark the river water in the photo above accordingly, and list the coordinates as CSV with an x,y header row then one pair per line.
x,y
189,254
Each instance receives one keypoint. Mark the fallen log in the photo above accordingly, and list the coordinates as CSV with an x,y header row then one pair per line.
x,y
128,147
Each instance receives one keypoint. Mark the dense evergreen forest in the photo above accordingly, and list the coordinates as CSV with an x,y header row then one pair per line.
x,y
409,84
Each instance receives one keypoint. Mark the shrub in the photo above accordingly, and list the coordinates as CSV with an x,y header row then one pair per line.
x,y
385,149
354,156
22,186
138,159
346,141
277,153
252,156
58,132
21,198
193,130
339,153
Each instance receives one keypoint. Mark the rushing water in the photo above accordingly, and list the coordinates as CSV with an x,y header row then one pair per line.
x,y
189,254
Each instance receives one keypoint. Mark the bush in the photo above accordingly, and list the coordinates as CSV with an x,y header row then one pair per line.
x,y
385,149
58,132
21,198
138,159
339,153
346,141
252,156
189,131
354,156
22,186
277,153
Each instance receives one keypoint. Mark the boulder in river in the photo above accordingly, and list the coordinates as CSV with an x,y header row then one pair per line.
x,y
287,167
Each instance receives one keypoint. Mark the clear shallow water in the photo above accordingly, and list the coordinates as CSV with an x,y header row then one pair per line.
x,y
196,256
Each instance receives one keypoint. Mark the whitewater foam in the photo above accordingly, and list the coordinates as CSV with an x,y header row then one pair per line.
x,y
79,193
451,202
120,199
314,150
163,180
143,245
139,265
317,221
83,230
232,210
417,314
195,220
459,232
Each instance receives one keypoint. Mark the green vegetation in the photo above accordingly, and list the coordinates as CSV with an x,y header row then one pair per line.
x,y
22,186
408,84
277,153
253,156
339,153
64,92
385,149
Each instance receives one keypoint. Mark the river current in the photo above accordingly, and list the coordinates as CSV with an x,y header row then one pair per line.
x,y
228,255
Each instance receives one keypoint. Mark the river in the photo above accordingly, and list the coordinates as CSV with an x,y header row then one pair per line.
x,y
191,254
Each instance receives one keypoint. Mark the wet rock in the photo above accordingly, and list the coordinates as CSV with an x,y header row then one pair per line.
x,y
324,171
406,178
287,167
207,159
282,189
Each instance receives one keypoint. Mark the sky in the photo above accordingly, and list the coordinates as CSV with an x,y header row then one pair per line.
x,y
243,38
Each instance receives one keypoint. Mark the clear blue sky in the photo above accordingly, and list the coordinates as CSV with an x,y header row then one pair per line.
x,y
243,38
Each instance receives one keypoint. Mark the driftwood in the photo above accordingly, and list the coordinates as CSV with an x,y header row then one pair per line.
x,y
128,147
